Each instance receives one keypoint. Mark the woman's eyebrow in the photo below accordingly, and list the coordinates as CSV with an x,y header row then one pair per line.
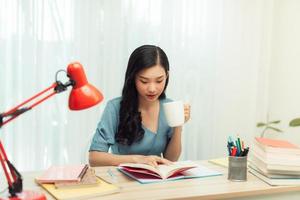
x,y
143,77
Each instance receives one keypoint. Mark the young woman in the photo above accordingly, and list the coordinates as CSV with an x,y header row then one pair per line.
x,y
134,125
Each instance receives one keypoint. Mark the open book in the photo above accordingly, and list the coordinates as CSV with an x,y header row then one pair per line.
x,y
178,170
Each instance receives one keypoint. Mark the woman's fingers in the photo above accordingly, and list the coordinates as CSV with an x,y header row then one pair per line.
x,y
165,161
155,164
154,161
187,112
159,160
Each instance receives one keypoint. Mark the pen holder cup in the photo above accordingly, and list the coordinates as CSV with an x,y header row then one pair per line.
x,y
237,168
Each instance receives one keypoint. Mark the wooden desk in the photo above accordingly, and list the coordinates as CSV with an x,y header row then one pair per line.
x,y
217,187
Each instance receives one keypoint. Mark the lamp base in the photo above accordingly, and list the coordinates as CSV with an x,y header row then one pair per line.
x,y
27,195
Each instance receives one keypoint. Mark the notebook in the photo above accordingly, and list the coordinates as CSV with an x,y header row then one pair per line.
x,y
77,193
179,170
277,146
66,173
274,168
275,181
274,175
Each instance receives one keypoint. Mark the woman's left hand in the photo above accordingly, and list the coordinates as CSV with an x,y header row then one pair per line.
x,y
187,112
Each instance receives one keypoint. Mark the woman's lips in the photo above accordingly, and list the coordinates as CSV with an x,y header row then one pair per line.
x,y
150,96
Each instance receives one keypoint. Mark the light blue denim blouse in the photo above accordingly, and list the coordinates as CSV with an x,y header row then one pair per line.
x,y
151,144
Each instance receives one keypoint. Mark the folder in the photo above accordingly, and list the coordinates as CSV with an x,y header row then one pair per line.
x,y
77,193
223,161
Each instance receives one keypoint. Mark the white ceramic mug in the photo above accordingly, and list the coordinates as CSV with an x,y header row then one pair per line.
x,y
174,112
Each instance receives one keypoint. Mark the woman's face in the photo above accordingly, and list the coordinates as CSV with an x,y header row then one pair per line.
x,y
150,82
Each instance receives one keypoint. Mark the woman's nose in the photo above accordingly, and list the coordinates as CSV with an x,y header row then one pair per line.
x,y
151,88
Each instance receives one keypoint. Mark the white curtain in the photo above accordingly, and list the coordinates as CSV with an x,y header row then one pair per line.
x,y
284,95
219,51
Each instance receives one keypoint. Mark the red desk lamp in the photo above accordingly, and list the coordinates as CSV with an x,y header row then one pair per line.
x,y
82,96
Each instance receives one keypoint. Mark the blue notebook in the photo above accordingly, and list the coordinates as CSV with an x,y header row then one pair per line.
x,y
179,170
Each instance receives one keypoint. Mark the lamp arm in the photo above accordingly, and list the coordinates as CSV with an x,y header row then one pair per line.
x,y
13,177
17,110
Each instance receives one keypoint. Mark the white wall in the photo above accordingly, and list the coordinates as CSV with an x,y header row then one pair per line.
x,y
234,61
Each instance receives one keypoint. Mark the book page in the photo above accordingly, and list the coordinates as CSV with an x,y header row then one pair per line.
x,y
141,166
200,171
164,171
175,168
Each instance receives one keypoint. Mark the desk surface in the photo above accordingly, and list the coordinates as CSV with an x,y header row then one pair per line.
x,y
217,187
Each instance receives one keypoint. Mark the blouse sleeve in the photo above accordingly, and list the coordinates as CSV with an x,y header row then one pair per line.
x,y
104,136
170,132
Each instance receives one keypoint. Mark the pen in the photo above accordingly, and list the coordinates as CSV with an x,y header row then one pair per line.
x,y
230,141
237,148
246,151
233,153
229,149
230,146
239,143
112,175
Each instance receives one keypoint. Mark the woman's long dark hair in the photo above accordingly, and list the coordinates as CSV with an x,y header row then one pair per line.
x,y
130,121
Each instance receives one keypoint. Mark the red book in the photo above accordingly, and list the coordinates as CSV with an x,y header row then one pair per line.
x,y
178,170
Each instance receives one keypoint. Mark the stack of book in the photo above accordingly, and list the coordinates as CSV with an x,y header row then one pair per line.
x,y
72,182
276,162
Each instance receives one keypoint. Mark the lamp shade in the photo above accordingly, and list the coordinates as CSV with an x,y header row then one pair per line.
x,y
83,95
